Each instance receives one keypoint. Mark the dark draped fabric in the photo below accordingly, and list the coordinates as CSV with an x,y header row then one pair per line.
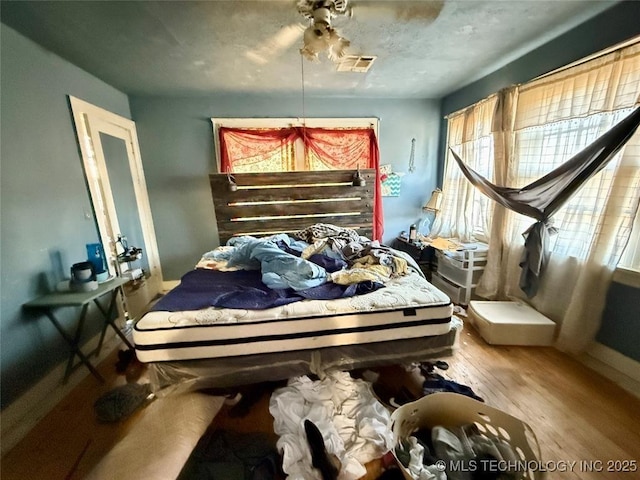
x,y
542,198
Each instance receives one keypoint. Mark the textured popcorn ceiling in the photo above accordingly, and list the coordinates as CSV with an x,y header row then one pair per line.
x,y
424,49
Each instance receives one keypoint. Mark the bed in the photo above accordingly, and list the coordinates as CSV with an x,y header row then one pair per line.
x,y
202,334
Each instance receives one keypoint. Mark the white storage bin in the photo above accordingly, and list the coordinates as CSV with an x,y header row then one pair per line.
x,y
456,293
510,323
458,272
477,255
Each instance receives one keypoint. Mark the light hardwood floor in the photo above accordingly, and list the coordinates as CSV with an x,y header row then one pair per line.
x,y
577,415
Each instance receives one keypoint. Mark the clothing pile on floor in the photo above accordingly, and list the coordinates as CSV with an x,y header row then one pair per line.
x,y
352,422
458,453
433,383
328,428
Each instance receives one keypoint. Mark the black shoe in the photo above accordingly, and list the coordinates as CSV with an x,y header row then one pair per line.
x,y
319,456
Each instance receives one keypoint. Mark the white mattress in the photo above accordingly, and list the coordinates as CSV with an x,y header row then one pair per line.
x,y
408,307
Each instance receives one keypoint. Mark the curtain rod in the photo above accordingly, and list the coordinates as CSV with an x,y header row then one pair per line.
x,y
473,105
607,51
602,53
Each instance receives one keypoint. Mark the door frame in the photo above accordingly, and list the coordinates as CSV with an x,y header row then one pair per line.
x,y
90,121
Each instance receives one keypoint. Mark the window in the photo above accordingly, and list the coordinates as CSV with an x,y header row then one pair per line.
x,y
534,128
538,150
279,143
520,134
465,212
631,257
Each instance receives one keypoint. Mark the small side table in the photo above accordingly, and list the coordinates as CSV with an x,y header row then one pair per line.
x,y
48,304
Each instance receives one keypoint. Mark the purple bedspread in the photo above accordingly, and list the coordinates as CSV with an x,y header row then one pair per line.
x,y
201,288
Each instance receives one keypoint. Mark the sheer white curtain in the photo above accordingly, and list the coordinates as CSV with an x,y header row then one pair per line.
x,y
554,118
465,212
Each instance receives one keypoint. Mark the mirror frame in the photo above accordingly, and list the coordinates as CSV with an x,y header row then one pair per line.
x,y
90,121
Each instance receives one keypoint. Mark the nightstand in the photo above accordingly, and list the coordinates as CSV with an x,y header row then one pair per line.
x,y
422,253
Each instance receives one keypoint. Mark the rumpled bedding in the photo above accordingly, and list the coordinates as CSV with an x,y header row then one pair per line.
x,y
309,257
321,262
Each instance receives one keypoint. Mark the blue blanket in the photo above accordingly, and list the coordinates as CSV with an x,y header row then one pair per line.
x,y
201,288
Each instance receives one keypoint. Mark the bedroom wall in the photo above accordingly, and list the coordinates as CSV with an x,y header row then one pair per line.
x,y
45,207
176,141
615,25
620,329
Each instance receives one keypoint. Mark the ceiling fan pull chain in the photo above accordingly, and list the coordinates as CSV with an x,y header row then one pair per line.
x,y
304,115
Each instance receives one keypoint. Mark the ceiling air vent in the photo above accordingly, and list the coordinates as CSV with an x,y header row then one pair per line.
x,y
355,63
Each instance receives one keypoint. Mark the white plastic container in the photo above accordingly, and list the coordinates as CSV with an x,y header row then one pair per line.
x,y
455,292
458,271
453,410
510,323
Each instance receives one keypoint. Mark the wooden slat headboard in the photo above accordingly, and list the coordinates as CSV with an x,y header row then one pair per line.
x,y
285,202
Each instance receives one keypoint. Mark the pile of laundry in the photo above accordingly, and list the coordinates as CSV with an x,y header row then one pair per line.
x,y
337,417
458,453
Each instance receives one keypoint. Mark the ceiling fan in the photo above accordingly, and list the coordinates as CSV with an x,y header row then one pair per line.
x,y
320,36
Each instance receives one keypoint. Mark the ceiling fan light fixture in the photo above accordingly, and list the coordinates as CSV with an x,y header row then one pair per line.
x,y
322,15
320,36
338,46
307,8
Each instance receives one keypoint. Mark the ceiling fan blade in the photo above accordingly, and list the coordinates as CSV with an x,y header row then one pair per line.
x,y
277,44
406,10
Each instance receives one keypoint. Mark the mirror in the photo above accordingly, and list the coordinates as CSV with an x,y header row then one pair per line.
x,y
113,169
124,196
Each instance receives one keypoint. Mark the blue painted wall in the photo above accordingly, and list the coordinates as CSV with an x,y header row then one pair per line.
x,y
620,327
45,205
176,140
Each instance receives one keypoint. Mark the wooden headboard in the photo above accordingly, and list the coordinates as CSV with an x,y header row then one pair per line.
x,y
269,203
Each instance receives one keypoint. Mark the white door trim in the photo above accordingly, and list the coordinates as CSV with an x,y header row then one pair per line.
x,y
90,121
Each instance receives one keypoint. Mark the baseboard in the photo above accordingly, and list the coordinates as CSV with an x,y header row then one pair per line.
x,y
17,419
615,366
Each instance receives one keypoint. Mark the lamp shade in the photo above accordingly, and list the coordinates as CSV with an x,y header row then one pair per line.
x,y
434,203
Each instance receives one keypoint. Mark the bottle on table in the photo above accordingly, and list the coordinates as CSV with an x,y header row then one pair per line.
x,y
413,232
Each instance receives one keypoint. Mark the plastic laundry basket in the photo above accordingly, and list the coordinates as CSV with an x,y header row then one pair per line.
x,y
452,409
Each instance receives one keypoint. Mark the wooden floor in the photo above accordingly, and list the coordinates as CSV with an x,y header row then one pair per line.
x,y
577,415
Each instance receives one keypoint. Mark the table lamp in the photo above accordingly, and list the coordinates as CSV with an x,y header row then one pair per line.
x,y
431,207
